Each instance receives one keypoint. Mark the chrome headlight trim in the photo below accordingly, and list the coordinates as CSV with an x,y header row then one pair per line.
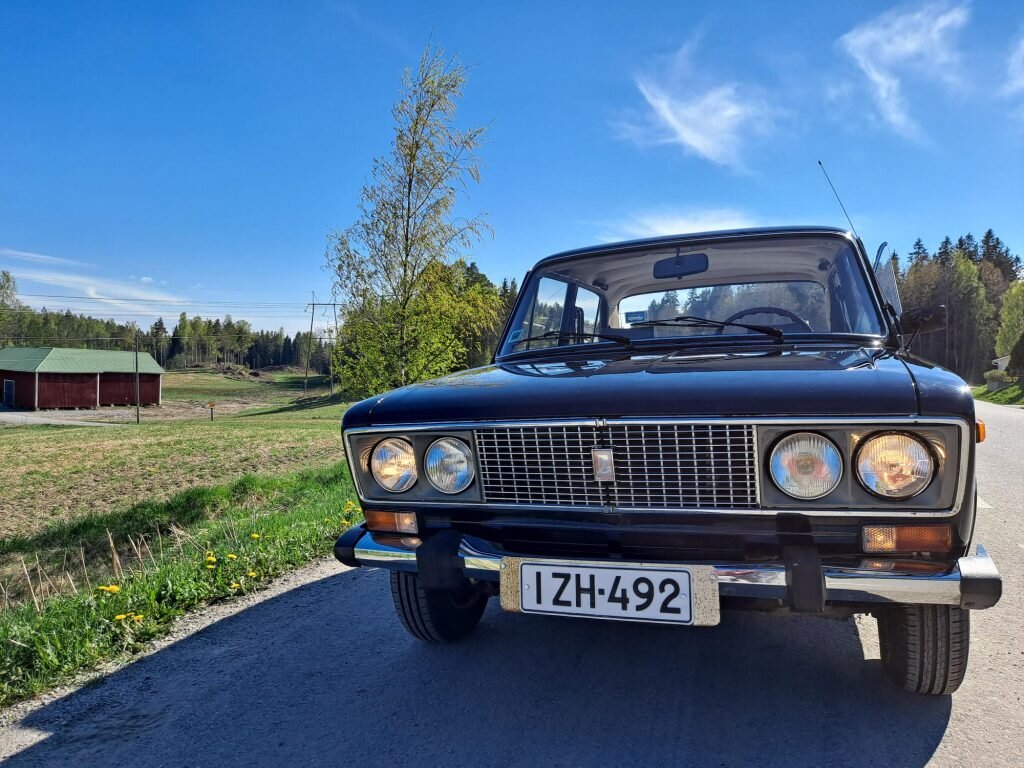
x,y
963,448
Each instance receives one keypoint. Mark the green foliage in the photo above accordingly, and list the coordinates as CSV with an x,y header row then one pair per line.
x,y
953,279
412,309
270,525
1011,322
8,291
1016,364
996,377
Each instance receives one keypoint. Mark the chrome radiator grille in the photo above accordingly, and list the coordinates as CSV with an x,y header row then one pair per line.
x,y
539,465
657,466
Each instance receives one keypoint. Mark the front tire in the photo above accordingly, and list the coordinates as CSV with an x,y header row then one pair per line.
x,y
924,648
436,616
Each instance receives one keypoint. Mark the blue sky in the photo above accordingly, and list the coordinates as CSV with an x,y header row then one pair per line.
x,y
198,154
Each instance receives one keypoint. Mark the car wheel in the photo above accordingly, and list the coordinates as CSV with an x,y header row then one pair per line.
x,y
924,648
436,616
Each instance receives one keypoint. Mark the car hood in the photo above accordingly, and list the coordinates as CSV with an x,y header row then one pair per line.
x,y
755,381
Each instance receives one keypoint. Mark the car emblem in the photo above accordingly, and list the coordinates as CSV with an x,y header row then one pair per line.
x,y
604,464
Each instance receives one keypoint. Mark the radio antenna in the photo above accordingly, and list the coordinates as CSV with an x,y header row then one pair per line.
x,y
852,228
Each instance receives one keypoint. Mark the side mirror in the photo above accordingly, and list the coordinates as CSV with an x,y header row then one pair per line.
x,y
923,320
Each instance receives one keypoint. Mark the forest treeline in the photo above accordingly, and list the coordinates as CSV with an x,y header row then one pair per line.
x,y
191,341
202,341
979,283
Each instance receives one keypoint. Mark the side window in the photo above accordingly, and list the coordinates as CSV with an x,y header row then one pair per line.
x,y
543,315
588,307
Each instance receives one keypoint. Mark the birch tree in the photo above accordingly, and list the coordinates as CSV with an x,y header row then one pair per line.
x,y
389,266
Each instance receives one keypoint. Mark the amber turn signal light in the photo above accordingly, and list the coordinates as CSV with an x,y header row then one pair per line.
x,y
907,538
981,431
390,522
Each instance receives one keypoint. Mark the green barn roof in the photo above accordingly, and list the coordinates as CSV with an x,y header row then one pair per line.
x,y
58,360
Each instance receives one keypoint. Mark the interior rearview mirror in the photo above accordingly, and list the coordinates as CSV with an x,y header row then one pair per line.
x,y
680,266
923,319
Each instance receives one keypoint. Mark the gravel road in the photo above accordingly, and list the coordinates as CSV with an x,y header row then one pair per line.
x,y
317,671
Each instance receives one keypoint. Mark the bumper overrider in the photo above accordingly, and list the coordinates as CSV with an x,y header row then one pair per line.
x,y
801,580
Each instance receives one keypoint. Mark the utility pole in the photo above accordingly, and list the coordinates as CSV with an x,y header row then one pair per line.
x,y
138,418
309,346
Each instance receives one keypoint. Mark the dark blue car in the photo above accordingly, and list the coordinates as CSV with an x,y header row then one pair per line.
x,y
673,427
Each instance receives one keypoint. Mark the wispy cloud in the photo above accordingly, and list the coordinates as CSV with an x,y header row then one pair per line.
x,y
1015,69
900,42
101,292
669,222
709,119
146,280
36,258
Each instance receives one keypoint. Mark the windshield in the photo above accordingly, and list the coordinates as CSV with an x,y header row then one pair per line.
x,y
804,286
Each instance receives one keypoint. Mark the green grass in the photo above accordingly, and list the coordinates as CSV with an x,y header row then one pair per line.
x,y
203,385
59,474
1011,395
270,524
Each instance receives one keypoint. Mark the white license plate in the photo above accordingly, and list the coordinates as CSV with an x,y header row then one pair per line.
x,y
627,592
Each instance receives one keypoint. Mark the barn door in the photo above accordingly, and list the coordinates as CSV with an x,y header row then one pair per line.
x,y
8,393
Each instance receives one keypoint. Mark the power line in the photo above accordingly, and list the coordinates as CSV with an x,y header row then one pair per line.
x,y
212,337
168,302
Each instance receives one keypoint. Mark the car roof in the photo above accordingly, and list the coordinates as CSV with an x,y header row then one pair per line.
x,y
668,240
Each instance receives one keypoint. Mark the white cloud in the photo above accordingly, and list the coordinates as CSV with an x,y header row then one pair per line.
x,y
37,258
146,280
1015,70
105,292
668,222
901,42
708,119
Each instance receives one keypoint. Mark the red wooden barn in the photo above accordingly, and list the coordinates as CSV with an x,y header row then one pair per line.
x,y
50,377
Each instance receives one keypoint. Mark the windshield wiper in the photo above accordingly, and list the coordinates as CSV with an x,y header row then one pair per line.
x,y
692,321
623,340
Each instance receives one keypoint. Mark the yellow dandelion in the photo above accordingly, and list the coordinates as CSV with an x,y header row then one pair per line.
x,y
137,617
211,559
210,567
254,535
232,556
112,589
121,617
236,585
252,574
209,553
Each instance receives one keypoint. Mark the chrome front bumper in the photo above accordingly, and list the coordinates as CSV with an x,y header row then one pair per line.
x,y
973,583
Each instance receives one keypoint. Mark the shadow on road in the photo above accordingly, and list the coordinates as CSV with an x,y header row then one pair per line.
x,y
324,675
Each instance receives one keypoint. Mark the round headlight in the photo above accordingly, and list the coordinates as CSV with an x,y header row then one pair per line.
x,y
449,465
806,465
393,464
895,465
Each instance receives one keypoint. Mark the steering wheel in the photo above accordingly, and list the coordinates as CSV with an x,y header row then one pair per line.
x,y
768,311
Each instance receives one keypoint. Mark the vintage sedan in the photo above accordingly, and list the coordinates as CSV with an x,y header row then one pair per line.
x,y
677,426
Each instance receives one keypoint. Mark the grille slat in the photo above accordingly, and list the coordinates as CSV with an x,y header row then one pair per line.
x,y
658,466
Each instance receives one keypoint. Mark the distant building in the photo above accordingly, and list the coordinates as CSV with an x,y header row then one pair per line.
x,y
51,377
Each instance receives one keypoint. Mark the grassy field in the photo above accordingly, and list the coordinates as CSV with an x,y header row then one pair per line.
x,y
107,534
1011,395
59,474
201,545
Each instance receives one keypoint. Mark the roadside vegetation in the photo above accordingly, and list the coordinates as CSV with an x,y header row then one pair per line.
x,y
142,567
108,534
1011,395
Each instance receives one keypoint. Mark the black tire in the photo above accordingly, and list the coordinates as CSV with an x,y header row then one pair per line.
x,y
924,648
436,616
